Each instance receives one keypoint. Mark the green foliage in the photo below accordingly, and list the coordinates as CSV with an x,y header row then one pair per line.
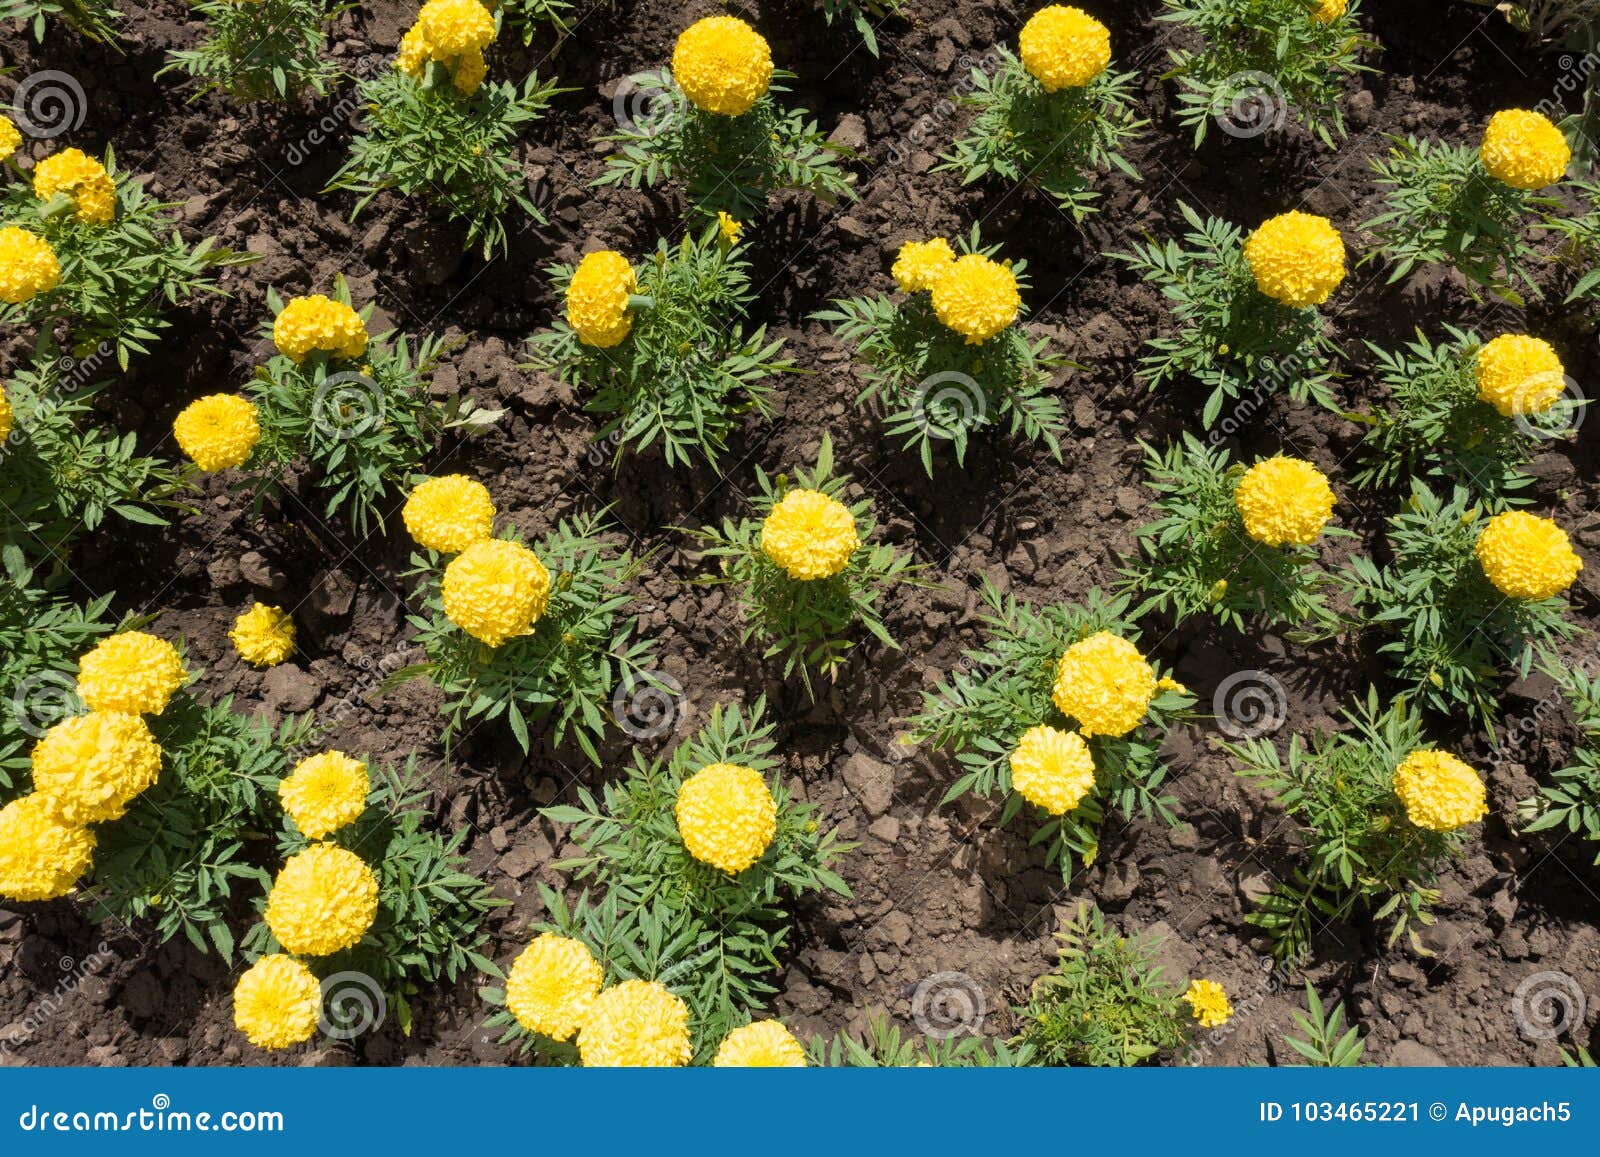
x,y
425,139
117,279
808,622
1580,235
1197,558
1442,207
1327,1044
1571,800
1453,635
727,163
1362,853
861,13
1059,141
527,17
1267,50
1437,427
92,19
934,387
261,50
1003,688
885,1046
687,371
1231,337
566,669
1106,1004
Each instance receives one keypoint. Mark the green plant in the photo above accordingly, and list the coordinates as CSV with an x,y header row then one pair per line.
x,y
861,14
1581,241
807,621
1362,853
262,49
1231,336
1059,141
93,19
1571,800
529,16
1327,1044
687,371
1197,558
885,1046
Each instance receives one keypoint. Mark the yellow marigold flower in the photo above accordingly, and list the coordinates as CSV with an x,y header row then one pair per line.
x,y
1284,501
325,793
28,266
93,766
809,535
1440,792
263,635
726,816
10,138
636,1024
133,672
218,432
1052,768
1327,11
1524,149
722,65
82,179
5,415
1064,47
762,1044
307,324
552,985
323,901
597,298
1208,1003
496,590
455,27
412,56
729,227
449,514
1518,374
468,72
1527,557
1104,684
277,1002
1296,258
920,264
1168,683
41,856
977,297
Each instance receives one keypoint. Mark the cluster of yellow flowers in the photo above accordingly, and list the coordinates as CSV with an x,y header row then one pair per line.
x,y
263,636
28,266
809,535
82,180
449,514
1296,258
218,432
453,33
1519,375
1284,501
1526,556
726,816
598,298
1064,47
314,324
324,793
973,295
1440,793
722,65
1208,1003
1524,149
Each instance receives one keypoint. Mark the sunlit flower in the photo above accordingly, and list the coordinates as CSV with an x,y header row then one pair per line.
x,y
1524,149
762,1044
10,138
1327,11
93,766
1527,557
722,65
277,1002
1519,375
1284,501
1052,768
325,793
218,432
455,27
810,535
1208,1003
919,265
263,636
496,590
1105,684
977,297
80,178
323,901
1296,258
636,1024
28,266
41,855
728,228
552,985
317,323
1064,47
133,672
449,514
726,816
597,298
1440,793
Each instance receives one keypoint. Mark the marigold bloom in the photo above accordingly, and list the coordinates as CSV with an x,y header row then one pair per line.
x,y
412,56
810,535
1527,557
1105,684
449,514
1064,47
1052,768
82,179
1524,149
10,138
552,985
455,27
496,590
277,1002
762,1044
1327,11
722,65
28,266
977,297
133,672
263,636
636,1024
1296,258
726,816
41,856
1284,501
1440,792
729,227
5,415
1518,374
93,766
468,72
919,265
323,901
1208,1003
325,793
597,298
309,324
218,432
